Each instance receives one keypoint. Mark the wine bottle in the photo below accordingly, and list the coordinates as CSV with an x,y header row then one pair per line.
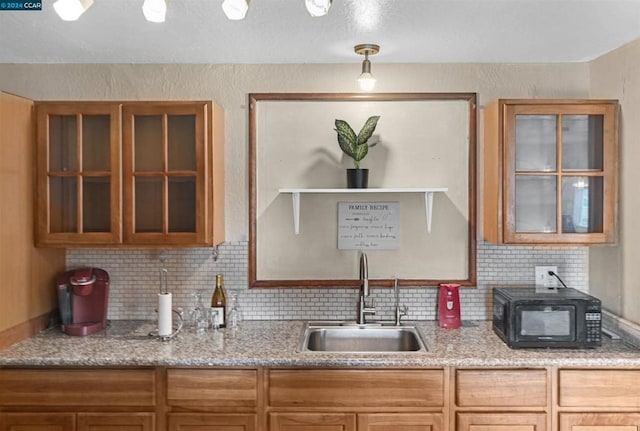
x,y
219,302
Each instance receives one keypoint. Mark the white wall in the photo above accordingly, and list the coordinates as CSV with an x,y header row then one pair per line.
x,y
615,271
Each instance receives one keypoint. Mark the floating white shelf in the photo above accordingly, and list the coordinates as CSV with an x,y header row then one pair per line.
x,y
427,191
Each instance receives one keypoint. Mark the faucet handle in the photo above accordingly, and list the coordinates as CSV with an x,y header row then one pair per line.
x,y
404,310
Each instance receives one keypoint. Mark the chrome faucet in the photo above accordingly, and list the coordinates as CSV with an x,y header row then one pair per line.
x,y
363,308
399,311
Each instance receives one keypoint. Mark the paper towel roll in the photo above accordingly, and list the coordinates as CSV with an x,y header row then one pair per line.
x,y
165,324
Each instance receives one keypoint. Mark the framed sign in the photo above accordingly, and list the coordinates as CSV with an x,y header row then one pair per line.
x,y
368,225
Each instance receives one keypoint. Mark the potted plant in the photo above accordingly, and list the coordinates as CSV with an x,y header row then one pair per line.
x,y
356,147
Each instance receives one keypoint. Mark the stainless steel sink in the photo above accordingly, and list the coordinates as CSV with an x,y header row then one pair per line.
x,y
349,337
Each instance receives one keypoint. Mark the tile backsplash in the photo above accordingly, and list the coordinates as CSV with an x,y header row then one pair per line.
x,y
134,284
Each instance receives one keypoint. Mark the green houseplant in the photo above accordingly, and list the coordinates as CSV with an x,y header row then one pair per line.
x,y
356,147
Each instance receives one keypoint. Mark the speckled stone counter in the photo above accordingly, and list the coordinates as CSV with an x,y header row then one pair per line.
x,y
274,343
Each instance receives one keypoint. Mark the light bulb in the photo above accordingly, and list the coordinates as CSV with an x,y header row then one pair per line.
x,y
155,10
235,9
70,10
317,7
366,81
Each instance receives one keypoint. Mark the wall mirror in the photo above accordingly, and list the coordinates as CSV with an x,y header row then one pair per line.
x,y
424,140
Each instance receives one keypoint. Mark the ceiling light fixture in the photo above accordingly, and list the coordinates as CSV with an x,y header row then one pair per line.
x,y
235,9
70,10
366,81
318,7
155,10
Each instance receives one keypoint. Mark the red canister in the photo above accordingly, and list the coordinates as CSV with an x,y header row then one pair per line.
x,y
449,306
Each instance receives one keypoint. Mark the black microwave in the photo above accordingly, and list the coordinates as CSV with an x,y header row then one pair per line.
x,y
524,317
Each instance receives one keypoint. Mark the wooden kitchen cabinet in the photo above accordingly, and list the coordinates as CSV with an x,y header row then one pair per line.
x,y
212,422
618,421
169,191
78,174
79,399
400,422
494,399
37,422
312,422
501,421
550,171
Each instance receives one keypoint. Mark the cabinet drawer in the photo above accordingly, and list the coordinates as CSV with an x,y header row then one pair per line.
x,y
223,388
501,421
599,388
356,388
77,387
599,422
501,388
212,422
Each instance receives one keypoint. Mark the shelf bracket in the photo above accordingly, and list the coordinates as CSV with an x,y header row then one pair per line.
x,y
295,200
428,200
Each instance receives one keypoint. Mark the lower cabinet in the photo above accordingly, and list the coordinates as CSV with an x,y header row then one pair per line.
x,y
212,422
37,421
356,422
312,422
599,422
501,422
77,421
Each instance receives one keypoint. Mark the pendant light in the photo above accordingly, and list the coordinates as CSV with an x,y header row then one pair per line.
x,y
70,10
318,7
366,81
155,10
235,9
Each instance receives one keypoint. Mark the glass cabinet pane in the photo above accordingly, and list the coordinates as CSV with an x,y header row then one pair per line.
x,y
536,138
148,143
582,204
96,141
148,204
63,143
96,204
582,142
182,142
182,204
535,203
63,204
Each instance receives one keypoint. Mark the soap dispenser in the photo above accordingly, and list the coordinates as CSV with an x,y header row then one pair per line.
x,y
449,306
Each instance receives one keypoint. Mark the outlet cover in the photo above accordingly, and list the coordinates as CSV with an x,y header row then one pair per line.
x,y
543,279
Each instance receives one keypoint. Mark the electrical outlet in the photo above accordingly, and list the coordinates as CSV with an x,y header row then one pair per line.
x,y
543,279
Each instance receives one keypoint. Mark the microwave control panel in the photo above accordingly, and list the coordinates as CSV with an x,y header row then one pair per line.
x,y
594,327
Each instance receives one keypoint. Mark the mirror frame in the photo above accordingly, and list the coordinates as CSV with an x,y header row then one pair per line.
x,y
254,102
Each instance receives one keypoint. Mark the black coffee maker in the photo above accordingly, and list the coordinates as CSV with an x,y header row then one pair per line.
x,y
83,296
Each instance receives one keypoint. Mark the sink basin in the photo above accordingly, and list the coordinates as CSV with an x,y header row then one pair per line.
x,y
352,338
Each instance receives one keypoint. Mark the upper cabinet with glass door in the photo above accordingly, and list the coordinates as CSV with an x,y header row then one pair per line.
x,y
165,160
171,185
550,171
78,174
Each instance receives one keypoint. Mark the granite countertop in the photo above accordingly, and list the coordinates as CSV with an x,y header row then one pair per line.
x,y
273,343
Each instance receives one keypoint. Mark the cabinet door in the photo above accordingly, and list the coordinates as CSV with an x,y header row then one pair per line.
x,y
312,422
164,163
501,422
400,422
78,174
599,422
116,422
550,171
37,422
212,422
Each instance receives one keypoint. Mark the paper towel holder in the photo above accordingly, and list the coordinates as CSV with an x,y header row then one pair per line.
x,y
178,312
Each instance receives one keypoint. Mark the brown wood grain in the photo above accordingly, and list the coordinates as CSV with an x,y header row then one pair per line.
x,y
213,387
312,422
116,422
599,388
400,422
501,388
501,421
356,388
77,387
599,422
212,422
37,422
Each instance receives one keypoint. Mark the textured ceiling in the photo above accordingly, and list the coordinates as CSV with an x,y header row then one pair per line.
x,y
281,31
